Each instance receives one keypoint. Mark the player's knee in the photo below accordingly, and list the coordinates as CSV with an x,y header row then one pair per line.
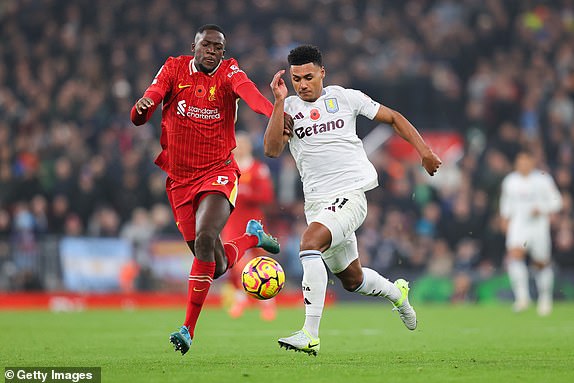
x,y
316,237
539,265
205,245
312,243
516,254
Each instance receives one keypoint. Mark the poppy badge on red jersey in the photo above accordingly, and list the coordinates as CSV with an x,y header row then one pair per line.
x,y
200,91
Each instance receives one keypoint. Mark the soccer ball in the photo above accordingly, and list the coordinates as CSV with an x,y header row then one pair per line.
x,y
263,277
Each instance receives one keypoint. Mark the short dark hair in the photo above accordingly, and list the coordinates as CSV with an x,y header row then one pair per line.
x,y
210,27
525,151
305,54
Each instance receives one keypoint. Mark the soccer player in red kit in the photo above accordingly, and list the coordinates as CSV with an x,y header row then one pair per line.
x,y
255,194
200,95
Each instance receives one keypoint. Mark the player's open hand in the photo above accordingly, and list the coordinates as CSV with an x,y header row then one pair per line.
x,y
278,86
431,162
143,104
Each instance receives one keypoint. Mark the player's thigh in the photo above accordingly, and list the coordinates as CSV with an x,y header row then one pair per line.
x,y
338,258
316,237
215,199
517,242
181,198
342,214
540,248
212,213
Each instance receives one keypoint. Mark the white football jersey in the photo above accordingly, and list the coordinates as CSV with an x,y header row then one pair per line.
x,y
521,195
329,154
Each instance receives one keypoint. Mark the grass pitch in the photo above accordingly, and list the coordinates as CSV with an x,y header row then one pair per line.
x,y
359,343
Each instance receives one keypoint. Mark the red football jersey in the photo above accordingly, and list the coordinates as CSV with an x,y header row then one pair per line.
x,y
198,116
254,192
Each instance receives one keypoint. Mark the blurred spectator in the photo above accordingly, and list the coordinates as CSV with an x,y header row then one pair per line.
x,y
139,231
59,211
104,223
73,226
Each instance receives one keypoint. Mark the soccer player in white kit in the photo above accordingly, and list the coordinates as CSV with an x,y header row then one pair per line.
x,y
336,173
527,199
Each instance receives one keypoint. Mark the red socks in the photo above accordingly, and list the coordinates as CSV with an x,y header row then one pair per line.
x,y
236,248
200,279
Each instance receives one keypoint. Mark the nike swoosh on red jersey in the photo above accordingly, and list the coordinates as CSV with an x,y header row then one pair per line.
x,y
183,86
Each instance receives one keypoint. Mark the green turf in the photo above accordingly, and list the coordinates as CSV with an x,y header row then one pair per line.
x,y
359,343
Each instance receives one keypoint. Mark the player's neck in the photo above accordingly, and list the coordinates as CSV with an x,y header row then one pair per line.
x,y
197,67
525,173
321,93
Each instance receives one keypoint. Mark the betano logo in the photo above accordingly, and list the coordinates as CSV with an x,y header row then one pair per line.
x,y
319,128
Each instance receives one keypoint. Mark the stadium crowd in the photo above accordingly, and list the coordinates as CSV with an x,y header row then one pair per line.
x,y
498,73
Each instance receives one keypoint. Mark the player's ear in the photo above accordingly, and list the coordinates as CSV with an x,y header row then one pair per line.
x,y
322,72
193,47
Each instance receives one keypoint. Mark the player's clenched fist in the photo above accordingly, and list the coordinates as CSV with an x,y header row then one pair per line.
x,y
431,162
143,104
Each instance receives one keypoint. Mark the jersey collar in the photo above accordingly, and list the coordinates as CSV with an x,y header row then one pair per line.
x,y
193,69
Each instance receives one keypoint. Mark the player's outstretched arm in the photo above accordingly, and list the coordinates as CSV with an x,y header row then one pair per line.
x,y
275,137
430,161
143,109
259,104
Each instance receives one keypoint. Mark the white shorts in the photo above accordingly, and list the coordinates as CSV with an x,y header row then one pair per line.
x,y
342,215
533,238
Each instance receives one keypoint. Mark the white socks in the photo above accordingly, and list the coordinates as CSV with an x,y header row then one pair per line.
x,y
545,283
314,286
374,284
518,274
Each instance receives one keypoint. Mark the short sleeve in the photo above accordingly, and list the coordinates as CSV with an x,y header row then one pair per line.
x,y
362,104
288,106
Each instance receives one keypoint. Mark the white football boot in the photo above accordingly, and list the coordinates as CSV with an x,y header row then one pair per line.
x,y
301,341
406,311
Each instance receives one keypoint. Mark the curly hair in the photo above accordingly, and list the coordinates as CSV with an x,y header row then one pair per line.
x,y
304,54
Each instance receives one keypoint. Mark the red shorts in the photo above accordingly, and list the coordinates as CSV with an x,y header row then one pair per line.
x,y
185,198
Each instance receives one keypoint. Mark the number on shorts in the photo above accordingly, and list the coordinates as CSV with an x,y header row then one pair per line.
x,y
337,204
